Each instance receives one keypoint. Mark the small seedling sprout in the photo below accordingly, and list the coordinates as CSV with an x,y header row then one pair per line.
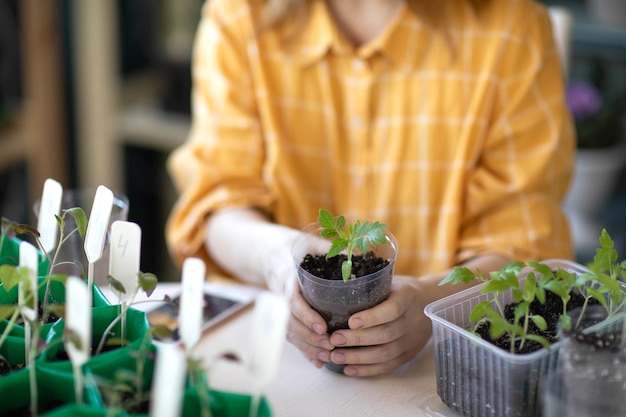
x,y
357,236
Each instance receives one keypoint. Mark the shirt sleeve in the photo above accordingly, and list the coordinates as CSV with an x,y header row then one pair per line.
x,y
515,191
220,164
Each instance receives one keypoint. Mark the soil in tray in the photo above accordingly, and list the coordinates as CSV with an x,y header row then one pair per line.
x,y
551,310
6,368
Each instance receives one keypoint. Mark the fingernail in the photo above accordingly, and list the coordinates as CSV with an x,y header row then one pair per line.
x,y
323,356
317,328
338,339
350,371
338,357
356,323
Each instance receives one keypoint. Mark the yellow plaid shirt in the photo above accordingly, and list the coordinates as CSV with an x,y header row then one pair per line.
x,y
461,147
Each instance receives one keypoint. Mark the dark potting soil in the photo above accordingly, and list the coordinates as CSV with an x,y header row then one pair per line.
x,y
25,412
550,310
330,268
50,317
129,401
6,368
604,340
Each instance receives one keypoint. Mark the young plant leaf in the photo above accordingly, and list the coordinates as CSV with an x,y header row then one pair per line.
x,y
116,284
459,275
148,282
539,321
358,235
10,276
326,219
80,218
25,229
6,311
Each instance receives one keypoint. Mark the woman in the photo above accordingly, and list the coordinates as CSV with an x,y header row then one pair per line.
x,y
444,120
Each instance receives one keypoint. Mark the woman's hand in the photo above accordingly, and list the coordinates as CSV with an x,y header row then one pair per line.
x,y
307,329
379,340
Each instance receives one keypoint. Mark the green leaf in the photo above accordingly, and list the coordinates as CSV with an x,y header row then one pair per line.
x,y
116,341
511,268
80,218
598,296
161,331
498,326
497,286
329,233
605,240
611,285
541,269
540,295
148,282
357,236
530,288
6,310
9,276
566,322
116,284
25,229
480,310
520,310
559,288
362,244
337,246
326,219
541,340
56,309
346,270
539,321
459,275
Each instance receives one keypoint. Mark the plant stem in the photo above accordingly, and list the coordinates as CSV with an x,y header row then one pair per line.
x,y
255,401
32,374
204,394
523,338
10,326
106,332
78,384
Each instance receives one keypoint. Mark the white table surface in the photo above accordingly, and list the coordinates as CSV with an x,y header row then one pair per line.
x,y
302,390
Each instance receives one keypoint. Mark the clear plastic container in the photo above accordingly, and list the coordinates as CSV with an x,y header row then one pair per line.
x,y
476,378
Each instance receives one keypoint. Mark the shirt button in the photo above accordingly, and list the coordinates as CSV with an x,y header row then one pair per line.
x,y
358,64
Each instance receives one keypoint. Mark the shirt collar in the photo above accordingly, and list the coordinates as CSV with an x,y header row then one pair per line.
x,y
320,36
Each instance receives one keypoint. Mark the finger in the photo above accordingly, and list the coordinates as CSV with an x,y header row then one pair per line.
x,y
378,335
314,347
390,309
305,314
367,355
306,330
299,334
377,368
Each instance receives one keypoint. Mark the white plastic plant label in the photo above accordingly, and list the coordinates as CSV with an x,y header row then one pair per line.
x,y
169,381
29,258
98,223
49,207
269,326
125,258
77,321
191,301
